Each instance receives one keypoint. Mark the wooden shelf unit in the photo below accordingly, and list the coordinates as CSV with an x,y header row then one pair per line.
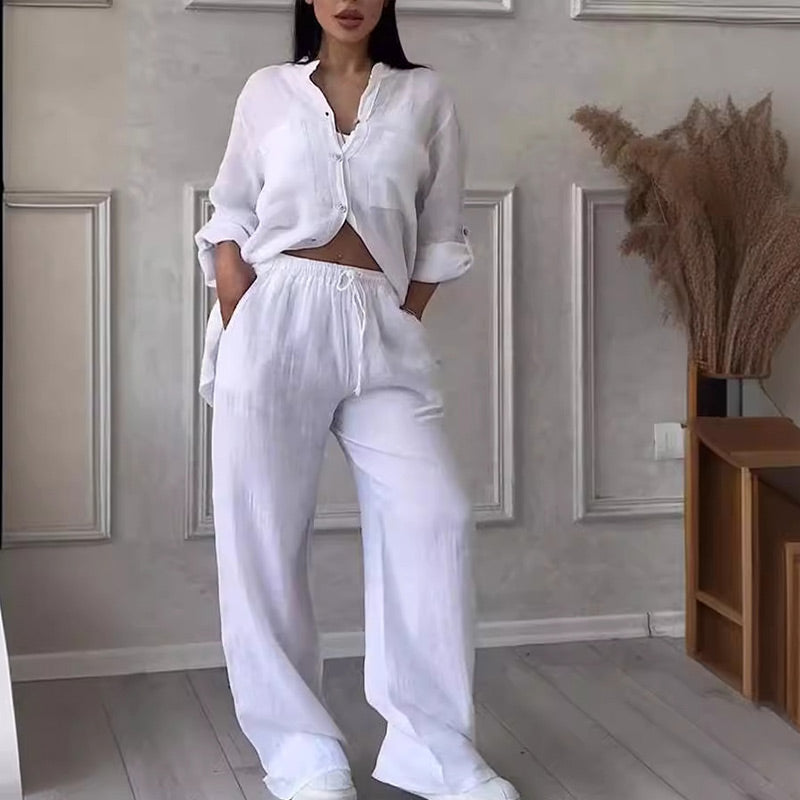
x,y
742,529
792,554
723,609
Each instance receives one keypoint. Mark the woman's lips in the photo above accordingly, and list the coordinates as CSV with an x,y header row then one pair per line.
x,y
349,20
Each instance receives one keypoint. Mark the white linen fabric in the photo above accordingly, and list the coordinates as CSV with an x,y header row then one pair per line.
x,y
314,347
286,182
289,180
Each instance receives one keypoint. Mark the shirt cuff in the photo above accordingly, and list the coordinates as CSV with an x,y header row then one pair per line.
x,y
443,261
211,234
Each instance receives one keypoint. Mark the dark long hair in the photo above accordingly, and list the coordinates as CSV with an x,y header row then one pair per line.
x,y
384,43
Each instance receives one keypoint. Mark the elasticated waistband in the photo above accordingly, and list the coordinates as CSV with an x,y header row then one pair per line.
x,y
322,269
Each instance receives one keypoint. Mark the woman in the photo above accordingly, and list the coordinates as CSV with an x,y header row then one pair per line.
x,y
337,212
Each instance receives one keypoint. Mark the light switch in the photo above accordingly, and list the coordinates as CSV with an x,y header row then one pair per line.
x,y
669,437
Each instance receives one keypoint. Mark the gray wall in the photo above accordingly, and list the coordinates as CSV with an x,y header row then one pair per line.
x,y
136,100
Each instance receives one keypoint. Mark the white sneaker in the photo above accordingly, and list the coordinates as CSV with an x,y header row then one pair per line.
x,y
494,789
334,785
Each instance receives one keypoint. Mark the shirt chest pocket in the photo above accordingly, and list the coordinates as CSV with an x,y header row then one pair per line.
x,y
398,163
290,161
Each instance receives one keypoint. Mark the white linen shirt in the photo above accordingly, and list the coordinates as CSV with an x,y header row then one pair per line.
x,y
286,181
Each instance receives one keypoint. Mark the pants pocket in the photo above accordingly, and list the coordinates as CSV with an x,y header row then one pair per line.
x,y
408,340
412,318
411,321
241,302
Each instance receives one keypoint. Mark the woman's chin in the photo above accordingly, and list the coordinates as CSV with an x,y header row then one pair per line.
x,y
349,37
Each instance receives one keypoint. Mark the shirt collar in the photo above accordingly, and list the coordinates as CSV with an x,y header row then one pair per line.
x,y
378,73
379,69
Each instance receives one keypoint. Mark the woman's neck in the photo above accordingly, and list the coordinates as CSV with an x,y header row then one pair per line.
x,y
342,59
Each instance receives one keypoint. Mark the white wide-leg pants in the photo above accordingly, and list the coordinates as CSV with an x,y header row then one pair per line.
x,y
313,347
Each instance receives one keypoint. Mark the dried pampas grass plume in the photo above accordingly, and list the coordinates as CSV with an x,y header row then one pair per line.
x,y
709,211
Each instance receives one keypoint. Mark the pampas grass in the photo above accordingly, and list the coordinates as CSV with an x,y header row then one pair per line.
x,y
709,211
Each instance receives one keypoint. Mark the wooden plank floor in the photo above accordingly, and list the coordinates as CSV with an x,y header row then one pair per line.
x,y
622,720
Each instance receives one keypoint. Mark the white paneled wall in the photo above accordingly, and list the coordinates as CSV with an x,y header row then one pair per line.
x,y
690,10
60,3
459,7
56,387
477,376
555,361
626,368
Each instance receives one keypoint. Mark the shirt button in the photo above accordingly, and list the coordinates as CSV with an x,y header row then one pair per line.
x,y
337,156
342,207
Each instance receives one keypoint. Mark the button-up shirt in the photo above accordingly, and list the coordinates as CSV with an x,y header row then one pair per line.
x,y
288,182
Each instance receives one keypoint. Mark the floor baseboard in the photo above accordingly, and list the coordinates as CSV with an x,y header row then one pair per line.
x,y
671,624
203,655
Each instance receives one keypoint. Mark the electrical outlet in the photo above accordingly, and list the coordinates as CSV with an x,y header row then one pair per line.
x,y
668,441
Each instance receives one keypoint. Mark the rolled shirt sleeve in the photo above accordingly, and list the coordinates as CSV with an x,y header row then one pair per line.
x,y
233,194
443,248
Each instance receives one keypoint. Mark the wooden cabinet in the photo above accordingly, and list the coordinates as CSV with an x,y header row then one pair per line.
x,y
792,551
742,527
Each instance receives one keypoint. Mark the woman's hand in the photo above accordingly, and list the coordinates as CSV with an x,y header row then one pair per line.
x,y
234,278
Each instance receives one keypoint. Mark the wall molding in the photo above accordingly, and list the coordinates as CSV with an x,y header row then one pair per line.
x,y
199,521
205,655
198,517
98,206
60,3
437,7
688,10
500,203
587,505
